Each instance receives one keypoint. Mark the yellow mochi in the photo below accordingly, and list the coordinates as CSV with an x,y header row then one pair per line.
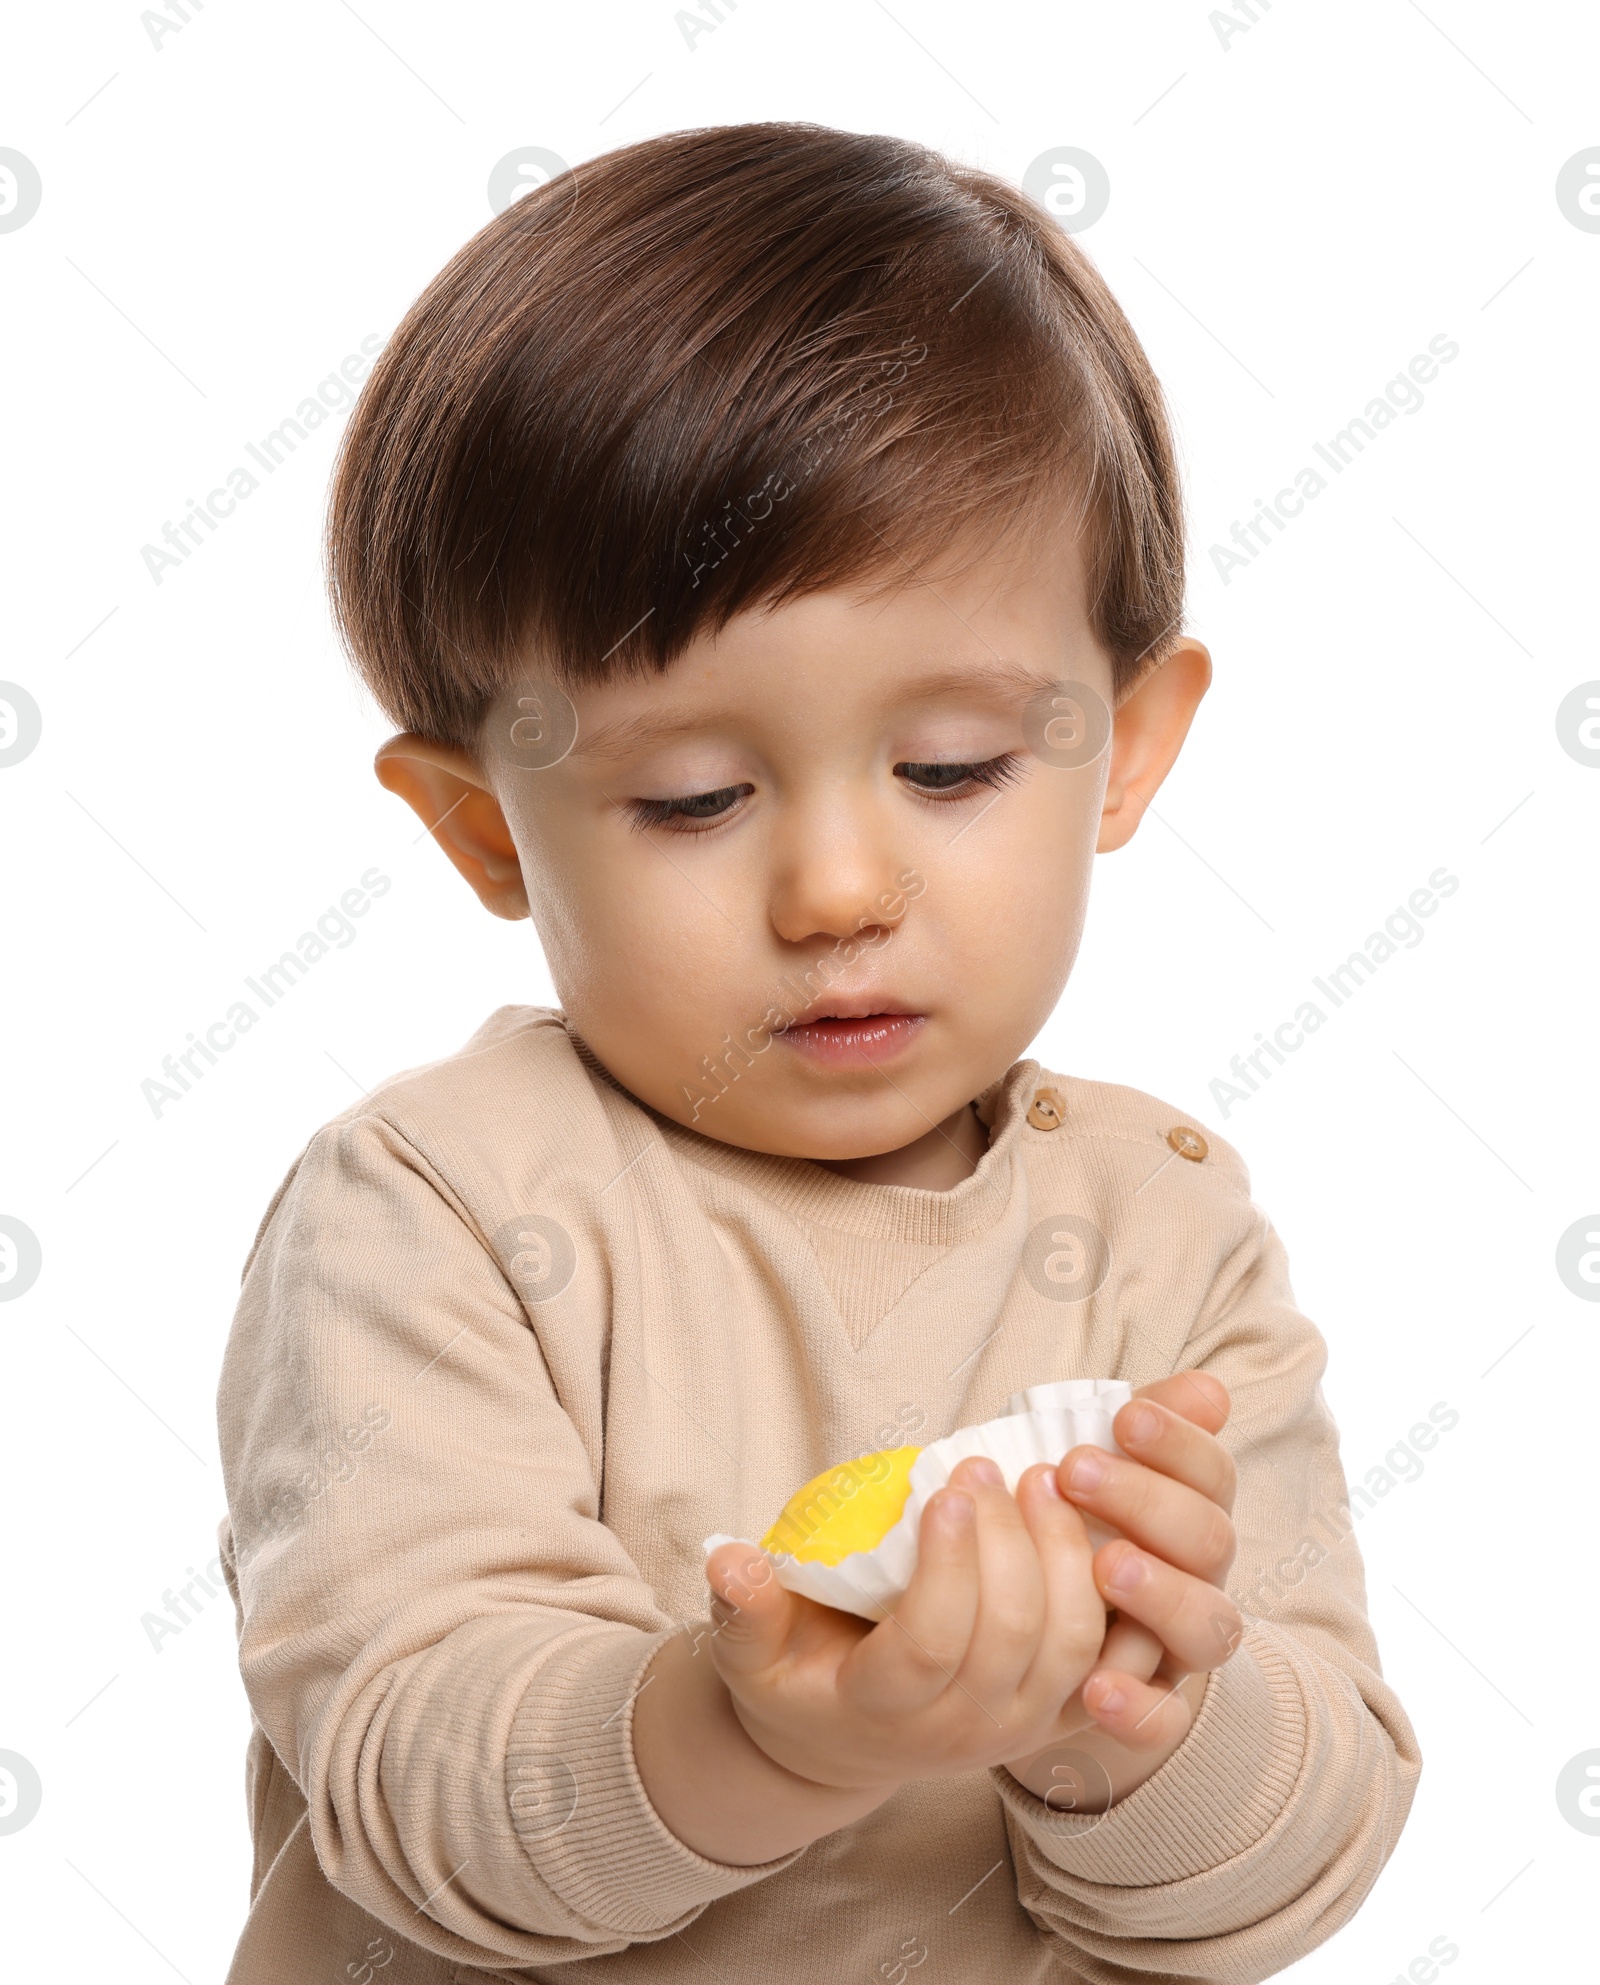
x,y
845,1509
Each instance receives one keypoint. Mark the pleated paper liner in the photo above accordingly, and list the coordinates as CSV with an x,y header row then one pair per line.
x,y
1042,1423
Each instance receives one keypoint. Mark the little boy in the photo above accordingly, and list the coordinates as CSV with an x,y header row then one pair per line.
x,y
769,544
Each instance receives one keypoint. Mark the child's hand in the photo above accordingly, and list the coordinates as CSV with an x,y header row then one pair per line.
x,y
999,1627
1163,1575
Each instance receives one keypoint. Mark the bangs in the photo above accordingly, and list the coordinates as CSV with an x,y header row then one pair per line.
x,y
723,369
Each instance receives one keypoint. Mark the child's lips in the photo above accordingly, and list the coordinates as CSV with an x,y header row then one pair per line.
x,y
866,1038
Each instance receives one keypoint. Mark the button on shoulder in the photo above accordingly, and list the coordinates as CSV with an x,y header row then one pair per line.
x,y
1048,1110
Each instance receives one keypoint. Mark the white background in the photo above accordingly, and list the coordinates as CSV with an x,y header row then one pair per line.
x,y
1293,216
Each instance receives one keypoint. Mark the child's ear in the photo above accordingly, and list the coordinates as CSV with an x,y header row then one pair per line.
x,y
447,790
1147,734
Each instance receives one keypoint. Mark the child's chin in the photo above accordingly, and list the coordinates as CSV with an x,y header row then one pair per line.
x,y
830,1133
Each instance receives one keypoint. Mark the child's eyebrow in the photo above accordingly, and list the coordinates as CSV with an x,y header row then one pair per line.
x,y
625,734
987,677
997,678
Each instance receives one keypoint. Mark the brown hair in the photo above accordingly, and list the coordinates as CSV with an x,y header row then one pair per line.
x,y
723,368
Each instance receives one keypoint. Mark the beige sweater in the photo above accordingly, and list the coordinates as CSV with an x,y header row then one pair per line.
x,y
466,1504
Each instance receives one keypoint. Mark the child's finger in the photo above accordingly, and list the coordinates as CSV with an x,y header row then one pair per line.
x,y
751,1613
1169,1518
1172,1445
1198,1396
1197,1625
1074,1624
912,1656
1146,1716
1011,1593
1132,1649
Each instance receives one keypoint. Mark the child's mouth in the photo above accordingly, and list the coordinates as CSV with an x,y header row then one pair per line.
x,y
856,1039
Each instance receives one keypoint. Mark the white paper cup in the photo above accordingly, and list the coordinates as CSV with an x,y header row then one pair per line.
x,y
1042,1423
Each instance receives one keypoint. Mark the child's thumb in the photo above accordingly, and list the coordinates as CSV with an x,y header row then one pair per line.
x,y
751,1613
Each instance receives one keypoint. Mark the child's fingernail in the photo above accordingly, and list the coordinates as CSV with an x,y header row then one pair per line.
x,y
1087,1473
1127,1574
982,1469
1143,1424
1110,1702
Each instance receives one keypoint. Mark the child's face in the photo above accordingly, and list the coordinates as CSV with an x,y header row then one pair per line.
x,y
830,816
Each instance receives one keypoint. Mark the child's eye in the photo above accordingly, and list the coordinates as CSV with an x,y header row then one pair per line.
x,y
691,813
958,781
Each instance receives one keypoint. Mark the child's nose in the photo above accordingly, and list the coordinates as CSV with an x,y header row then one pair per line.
x,y
834,877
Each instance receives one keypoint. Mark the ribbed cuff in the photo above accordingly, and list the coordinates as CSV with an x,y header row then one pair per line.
x,y
580,1807
1211,1801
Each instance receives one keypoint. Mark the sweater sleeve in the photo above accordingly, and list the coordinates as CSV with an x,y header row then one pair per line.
x,y
1262,1833
440,1638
